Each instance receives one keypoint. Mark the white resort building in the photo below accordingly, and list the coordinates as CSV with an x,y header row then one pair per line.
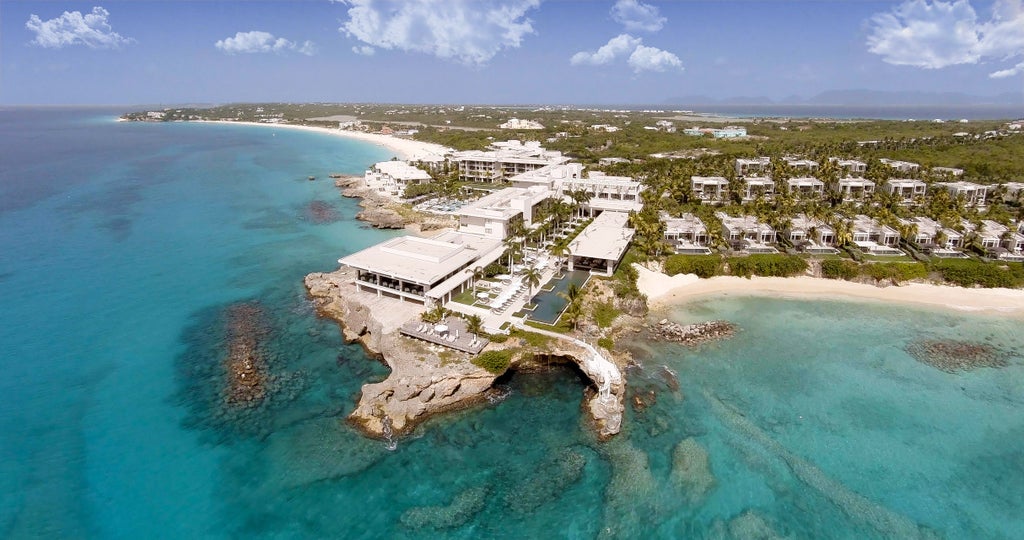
x,y
611,193
709,188
799,164
906,189
874,237
504,160
745,166
422,270
929,233
753,235
815,233
855,189
687,234
850,167
491,215
602,244
947,171
901,166
972,194
758,186
392,177
515,123
806,187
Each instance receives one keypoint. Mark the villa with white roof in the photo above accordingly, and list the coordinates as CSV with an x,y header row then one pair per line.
x,y
749,231
929,232
972,194
811,234
687,234
806,187
855,189
504,161
901,166
423,270
906,189
709,188
392,177
850,167
745,166
994,235
799,164
614,193
874,237
1013,190
947,171
758,186
491,215
601,245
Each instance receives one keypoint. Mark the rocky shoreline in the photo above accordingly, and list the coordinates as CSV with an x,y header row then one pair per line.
x,y
382,212
426,380
690,334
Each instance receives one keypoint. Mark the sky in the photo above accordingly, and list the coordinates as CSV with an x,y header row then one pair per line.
x,y
500,51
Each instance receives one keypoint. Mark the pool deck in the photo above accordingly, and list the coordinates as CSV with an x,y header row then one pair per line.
x,y
455,336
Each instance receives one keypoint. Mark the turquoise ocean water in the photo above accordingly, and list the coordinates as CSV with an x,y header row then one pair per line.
x,y
124,246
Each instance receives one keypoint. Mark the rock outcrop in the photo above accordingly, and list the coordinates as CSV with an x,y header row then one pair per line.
x,y
690,334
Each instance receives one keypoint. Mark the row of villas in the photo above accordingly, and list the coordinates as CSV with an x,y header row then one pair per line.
x,y
689,235
713,189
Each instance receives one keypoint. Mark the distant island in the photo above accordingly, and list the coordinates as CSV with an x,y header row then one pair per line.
x,y
542,235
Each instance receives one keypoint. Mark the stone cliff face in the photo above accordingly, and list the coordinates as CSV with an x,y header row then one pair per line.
x,y
422,381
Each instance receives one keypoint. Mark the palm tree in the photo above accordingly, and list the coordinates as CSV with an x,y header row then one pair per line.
x,y
559,250
531,277
474,324
478,273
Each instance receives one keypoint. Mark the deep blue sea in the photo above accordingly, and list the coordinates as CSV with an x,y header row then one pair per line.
x,y
126,247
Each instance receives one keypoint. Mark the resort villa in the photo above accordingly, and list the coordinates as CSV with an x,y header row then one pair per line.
x,y
687,234
390,178
423,270
812,234
906,189
850,167
806,187
855,188
905,167
932,236
727,132
758,186
503,161
1014,190
515,123
611,193
709,188
745,166
998,238
748,232
798,164
947,171
490,216
874,237
971,193
602,244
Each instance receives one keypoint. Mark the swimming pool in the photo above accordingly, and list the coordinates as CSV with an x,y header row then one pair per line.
x,y
549,303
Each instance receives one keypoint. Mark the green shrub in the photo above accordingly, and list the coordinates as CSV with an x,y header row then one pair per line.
x,y
704,266
604,314
495,362
531,338
894,271
839,269
606,342
497,338
771,265
968,273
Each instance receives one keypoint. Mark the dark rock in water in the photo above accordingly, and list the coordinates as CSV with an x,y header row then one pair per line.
x,y
320,212
643,399
954,356
670,378
691,334
463,507
550,479
246,366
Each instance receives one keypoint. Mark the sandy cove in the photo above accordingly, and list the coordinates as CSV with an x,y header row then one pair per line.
x,y
664,291
407,149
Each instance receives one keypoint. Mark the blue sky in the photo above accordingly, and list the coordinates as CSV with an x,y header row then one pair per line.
x,y
500,51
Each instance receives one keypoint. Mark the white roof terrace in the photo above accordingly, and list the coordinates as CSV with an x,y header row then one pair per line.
x,y
423,261
606,238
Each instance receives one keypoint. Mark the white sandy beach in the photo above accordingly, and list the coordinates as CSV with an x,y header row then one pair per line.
x,y
407,149
664,291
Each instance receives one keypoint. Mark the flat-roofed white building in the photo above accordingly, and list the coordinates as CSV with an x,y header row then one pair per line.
x,y
850,167
709,188
505,160
605,192
491,215
947,171
422,270
803,228
901,166
1014,190
855,189
806,187
874,237
752,166
928,234
906,189
516,123
800,164
758,186
601,245
391,178
687,233
751,232
994,235
973,194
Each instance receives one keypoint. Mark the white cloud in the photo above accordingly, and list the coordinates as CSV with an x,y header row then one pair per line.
x,y
616,47
468,31
639,56
262,42
364,50
936,34
637,16
73,28
1004,73
653,59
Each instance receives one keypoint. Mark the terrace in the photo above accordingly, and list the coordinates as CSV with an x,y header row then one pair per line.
x,y
450,332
